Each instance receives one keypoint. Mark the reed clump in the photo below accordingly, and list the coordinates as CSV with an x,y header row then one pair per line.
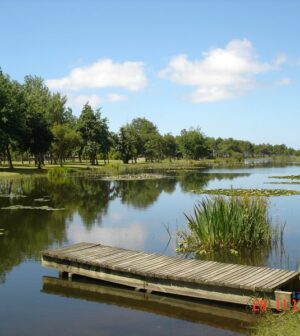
x,y
60,171
232,223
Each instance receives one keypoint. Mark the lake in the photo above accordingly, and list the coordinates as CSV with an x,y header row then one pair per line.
x,y
41,213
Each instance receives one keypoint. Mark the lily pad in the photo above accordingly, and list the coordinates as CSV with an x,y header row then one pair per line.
x,y
284,182
2,232
133,177
248,192
12,196
28,207
41,200
288,177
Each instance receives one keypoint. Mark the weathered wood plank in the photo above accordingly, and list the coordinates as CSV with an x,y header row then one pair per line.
x,y
163,273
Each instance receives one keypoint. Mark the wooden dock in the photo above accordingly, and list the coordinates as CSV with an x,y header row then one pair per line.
x,y
151,272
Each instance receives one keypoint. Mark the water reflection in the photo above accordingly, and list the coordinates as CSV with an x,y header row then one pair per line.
x,y
196,311
84,202
199,180
130,214
142,193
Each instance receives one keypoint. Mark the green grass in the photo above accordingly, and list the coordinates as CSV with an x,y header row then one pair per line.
x,y
60,171
232,224
287,323
247,192
114,167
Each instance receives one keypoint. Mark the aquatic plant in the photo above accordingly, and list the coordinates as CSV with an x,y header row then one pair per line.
x,y
60,171
227,223
29,207
284,182
247,192
288,177
129,177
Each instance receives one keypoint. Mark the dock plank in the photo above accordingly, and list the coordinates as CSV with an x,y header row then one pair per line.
x,y
191,272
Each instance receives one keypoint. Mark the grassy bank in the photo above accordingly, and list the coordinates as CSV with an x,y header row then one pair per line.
x,y
272,324
118,167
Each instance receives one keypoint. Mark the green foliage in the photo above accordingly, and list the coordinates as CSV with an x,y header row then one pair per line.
x,y
38,106
36,124
170,146
286,323
288,177
12,115
230,224
193,144
59,172
247,192
65,140
94,133
127,144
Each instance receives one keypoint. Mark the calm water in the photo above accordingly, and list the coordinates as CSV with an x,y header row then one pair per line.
x,y
140,215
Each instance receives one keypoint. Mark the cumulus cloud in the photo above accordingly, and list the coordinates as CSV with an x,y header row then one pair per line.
x,y
115,97
77,102
101,74
131,236
221,73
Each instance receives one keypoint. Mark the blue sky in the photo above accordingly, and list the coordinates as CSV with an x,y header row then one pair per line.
x,y
231,68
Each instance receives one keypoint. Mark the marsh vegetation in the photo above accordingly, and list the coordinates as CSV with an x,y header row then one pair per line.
x,y
227,223
247,192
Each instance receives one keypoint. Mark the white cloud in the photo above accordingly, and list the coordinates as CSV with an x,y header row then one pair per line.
x,y
115,97
78,101
131,236
101,74
221,73
283,82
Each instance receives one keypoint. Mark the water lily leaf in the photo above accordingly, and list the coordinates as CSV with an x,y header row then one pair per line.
x,y
28,207
248,192
12,196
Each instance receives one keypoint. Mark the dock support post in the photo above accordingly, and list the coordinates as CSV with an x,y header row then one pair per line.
x,y
70,275
283,300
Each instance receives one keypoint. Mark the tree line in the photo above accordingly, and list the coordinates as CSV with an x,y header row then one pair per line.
x,y
36,124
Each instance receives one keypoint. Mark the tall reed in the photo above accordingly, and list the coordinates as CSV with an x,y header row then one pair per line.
x,y
230,223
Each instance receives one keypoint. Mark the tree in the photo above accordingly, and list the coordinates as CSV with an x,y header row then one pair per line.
x,y
65,140
127,144
144,130
94,133
170,147
193,144
12,115
38,106
154,148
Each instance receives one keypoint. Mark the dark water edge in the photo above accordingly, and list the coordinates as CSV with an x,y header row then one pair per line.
x,y
137,214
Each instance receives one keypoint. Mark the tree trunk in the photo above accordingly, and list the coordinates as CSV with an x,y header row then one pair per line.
x,y
39,161
9,157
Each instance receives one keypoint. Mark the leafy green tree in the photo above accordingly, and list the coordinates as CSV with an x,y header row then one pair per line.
x,y
12,115
127,144
94,133
144,131
193,144
38,105
170,147
65,140
154,147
